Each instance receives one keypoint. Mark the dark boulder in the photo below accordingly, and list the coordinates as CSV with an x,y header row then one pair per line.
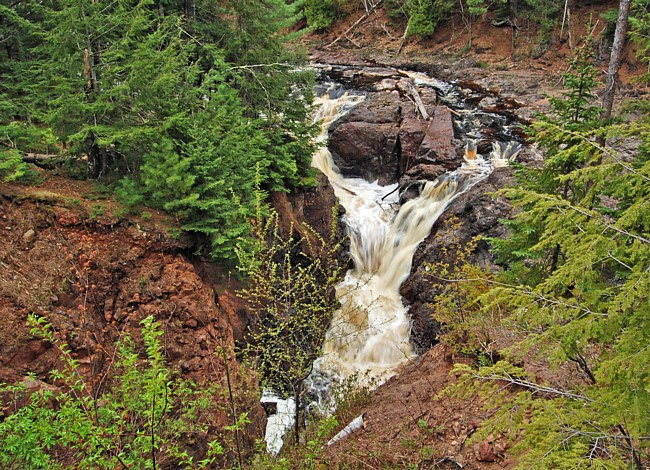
x,y
478,212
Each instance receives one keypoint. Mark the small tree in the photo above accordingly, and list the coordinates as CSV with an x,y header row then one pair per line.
x,y
475,8
573,112
148,418
292,298
424,16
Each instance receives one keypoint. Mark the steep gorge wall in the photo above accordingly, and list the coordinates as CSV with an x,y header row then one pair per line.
x,y
95,279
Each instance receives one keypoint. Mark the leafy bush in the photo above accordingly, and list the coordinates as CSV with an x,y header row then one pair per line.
x,y
424,15
292,299
148,417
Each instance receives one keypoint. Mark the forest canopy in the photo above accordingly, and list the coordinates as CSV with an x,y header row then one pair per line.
x,y
188,106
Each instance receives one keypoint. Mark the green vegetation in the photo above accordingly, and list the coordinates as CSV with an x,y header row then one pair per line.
x,y
320,14
575,288
292,276
424,15
180,103
640,32
13,168
148,417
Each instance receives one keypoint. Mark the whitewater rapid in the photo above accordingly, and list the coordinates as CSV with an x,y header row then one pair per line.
x,y
369,334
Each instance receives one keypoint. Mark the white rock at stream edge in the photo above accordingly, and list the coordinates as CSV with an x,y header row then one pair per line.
x,y
280,422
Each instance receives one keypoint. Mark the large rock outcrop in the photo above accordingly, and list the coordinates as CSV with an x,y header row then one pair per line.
x,y
478,212
387,137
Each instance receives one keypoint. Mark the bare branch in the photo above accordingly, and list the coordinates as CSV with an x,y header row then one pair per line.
x,y
532,386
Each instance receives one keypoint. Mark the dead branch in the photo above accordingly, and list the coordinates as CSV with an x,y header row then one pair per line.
x,y
401,44
354,25
409,88
532,386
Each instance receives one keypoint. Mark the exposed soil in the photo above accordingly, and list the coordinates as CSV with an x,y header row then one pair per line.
x,y
528,69
405,425
95,273
408,423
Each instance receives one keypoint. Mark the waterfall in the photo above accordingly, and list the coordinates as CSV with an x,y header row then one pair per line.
x,y
369,334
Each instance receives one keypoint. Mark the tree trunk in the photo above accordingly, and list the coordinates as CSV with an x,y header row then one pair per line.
x,y
615,58
512,16
190,10
94,158
298,391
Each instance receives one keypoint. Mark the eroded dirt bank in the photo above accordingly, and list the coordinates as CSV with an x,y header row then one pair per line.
x,y
95,275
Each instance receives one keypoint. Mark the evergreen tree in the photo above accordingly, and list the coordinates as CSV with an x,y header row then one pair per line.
x,y
149,90
588,306
527,258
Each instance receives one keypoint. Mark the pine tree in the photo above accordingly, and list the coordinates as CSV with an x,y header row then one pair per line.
x,y
149,90
589,307
573,112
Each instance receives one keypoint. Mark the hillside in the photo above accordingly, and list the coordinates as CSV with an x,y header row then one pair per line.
x,y
323,234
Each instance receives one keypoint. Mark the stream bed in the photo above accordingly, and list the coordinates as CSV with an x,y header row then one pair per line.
x,y
369,335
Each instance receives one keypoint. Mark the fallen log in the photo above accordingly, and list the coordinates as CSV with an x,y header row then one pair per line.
x,y
354,25
409,89
45,160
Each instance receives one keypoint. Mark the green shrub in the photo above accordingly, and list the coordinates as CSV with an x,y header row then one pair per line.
x,y
149,416
320,14
424,15
13,168
546,13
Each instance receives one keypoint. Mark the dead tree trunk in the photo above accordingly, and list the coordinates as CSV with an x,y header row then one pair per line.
x,y
615,58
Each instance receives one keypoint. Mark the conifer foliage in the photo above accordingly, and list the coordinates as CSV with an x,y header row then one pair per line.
x,y
183,101
577,284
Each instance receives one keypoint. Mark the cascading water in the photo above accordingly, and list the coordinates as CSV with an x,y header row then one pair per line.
x,y
369,334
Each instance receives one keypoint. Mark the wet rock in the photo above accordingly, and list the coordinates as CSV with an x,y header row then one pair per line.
x,y
386,84
489,102
366,150
436,153
377,108
479,214
437,144
411,133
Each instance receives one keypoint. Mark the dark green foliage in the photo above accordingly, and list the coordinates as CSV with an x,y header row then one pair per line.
x,y
424,15
577,288
546,13
573,111
640,32
187,100
320,13
13,168
148,413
